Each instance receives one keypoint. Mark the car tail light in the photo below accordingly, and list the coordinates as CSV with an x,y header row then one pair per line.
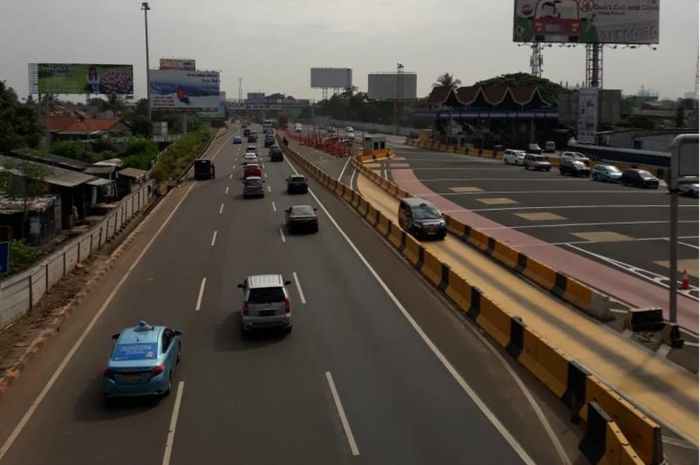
x,y
156,370
108,373
245,308
287,306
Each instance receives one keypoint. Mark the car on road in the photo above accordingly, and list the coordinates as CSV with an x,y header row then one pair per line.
x,y
250,157
639,178
576,156
269,140
276,153
573,167
297,184
237,140
513,157
550,146
142,361
534,148
298,128
606,173
246,131
252,138
301,218
688,187
421,218
204,169
252,169
266,303
253,187
537,162
251,149
349,129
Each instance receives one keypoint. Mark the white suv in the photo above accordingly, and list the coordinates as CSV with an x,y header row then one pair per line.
x,y
576,156
265,303
514,157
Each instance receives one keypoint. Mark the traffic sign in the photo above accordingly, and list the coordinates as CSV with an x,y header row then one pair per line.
x,y
4,257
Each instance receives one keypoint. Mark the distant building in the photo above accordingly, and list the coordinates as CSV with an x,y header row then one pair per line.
x,y
81,125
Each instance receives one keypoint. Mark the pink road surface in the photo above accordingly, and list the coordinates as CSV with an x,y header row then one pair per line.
x,y
615,283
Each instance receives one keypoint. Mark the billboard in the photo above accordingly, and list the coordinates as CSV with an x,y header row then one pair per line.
x,y
392,86
587,124
184,89
331,78
587,21
186,64
76,78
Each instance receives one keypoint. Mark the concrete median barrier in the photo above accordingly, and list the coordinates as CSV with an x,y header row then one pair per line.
x,y
630,438
604,442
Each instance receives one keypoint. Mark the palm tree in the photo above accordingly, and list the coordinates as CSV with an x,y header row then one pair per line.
x,y
115,103
447,80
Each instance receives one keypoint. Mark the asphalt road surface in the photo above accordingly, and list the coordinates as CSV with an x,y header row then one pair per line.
x,y
623,227
359,380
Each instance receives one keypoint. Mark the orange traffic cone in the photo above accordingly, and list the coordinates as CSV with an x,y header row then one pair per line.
x,y
684,281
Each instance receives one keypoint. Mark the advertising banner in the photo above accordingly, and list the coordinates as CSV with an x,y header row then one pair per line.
x,y
183,90
331,78
74,78
392,86
184,64
587,21
587,115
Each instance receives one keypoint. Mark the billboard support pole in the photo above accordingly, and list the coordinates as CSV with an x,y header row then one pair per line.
x,y
146,8
594,65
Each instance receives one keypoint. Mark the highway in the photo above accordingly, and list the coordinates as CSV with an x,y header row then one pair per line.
x,y
378,368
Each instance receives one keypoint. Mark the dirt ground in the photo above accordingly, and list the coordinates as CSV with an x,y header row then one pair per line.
x,y
15,338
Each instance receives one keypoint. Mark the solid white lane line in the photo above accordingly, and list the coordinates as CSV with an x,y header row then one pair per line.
x,y
296,281
340,176
213,238
274,207
668,239
454,194
282,235
62,366
268,189
226,192
570,225
514,444
170,440
565,207
201,294
221,209
341,413
352,178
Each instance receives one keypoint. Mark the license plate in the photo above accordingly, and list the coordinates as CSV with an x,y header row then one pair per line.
x,y
267,313
131,376
431,232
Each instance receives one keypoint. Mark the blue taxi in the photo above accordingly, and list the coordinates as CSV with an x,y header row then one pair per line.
x,y
142,361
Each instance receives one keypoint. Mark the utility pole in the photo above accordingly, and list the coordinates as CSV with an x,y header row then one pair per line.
x,y
536,59
240,90
146,9
399,95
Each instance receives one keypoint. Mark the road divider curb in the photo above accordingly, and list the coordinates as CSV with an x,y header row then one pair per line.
x,y
604,442
584,298
564,377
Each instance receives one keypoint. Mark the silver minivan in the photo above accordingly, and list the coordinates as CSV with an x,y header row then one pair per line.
x,y
265,303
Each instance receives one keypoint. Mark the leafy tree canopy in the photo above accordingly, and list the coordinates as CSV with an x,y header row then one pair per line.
x,y
19,122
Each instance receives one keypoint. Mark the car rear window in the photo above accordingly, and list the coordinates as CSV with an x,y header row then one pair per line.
x,y
261,295
135,351
302,210
253,182
298,179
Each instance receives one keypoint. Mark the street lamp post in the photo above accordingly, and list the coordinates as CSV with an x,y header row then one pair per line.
x,y
146,9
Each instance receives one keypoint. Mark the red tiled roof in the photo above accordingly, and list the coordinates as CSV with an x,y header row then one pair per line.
x,y
468,95
495,95
439,95
72,123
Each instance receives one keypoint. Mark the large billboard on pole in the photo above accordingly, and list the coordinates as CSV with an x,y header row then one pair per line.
x,y
184,89
186,64
587,21
392,86
77,78
331,78
587,124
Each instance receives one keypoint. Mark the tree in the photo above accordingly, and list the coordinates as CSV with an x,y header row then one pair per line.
x,y
680,116
447,80
19,122
115,103
137,120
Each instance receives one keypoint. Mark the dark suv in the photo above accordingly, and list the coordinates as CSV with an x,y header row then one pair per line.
x,y
276,153
574,167
204,169
421,218
269,140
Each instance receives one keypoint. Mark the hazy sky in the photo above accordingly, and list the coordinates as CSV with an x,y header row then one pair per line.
x,y
271,44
